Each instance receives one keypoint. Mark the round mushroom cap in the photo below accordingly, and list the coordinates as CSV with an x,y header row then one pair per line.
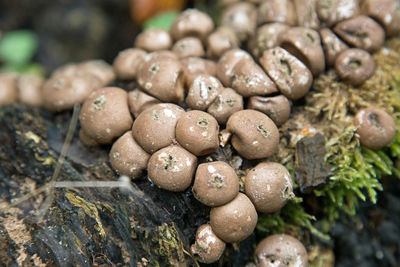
x,y
277,11
161,76
291,76
154,128
188,47
220,41
249,79
127,62
207,248
332,12
305,44
375,127
197,131
226,103
30,89
139,101
153,40
215,183
192,22
87,140
69,69
355,66
269,186
277,108
99,68
234,221
193,66
254,135
241,18
105,115
281,250
62,92
332,45
8,88
307,15
127,157
172,168
203,91
226,64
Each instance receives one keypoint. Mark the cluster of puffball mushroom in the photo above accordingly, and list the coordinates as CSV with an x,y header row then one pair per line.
x,y
182,99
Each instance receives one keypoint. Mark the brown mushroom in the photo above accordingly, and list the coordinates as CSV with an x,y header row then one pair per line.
x,y
226,64
208,247
154,128
188,47
127,157
153,40
220,41
234,221
105,115
269,186
331,12
277,108
30,89
307,15
305,44
254,135
139,101
87,140
161,76
226,103
375,127
172,168
249,79
192,22
99,68
291,76
241,18
277,11
203,91
281,250
127,62
361,32
197,131
70,69
193,66
8,88
355,66
332,45
215,183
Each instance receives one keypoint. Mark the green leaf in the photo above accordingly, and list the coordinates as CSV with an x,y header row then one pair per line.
x,y
18,47
162,20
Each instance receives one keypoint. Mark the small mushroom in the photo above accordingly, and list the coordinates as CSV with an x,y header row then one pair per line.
x,y
331,12
277,108
161,76
139,101
99,68
241,18
188,47
87,140
305,44
269,186
375,127
154,128
226,103
105,115
197,131
127,62
249,79
193,66
172,168
153,40
361,32
208,248
281,250
254,135
127,157
192,22
8,88
234,221
215,183
332,45
277,11
30,89
220,41
355,66
226,64
307,15
203,91
291,76
70,69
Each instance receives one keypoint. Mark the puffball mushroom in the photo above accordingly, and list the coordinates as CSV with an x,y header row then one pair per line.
x,y
226,64
105,115
197,131
172,168
139,101
277,11
127,157
226,103
188,47
30,89
153,40
154,128
331,12
254,135
234,221
215,183
281,250
375,127
193,66
277,108
269,186
127,62
220,41
207,248
203,91
332,45
99,68
8,88
192,22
